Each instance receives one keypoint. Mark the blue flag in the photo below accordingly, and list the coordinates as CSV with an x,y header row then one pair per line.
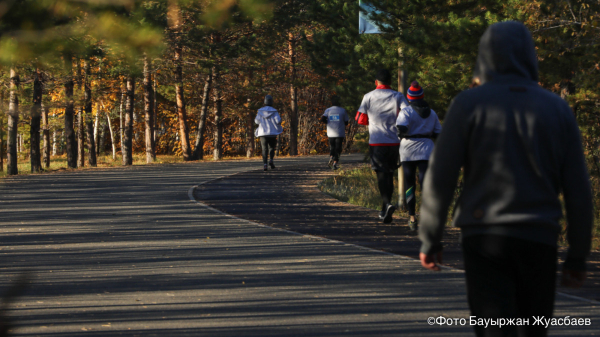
x,y
365,24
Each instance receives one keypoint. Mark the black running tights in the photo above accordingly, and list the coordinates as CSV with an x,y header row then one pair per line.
x,y
268,145
410,185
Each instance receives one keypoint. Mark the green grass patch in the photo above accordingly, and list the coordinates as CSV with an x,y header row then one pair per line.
x,y
357,186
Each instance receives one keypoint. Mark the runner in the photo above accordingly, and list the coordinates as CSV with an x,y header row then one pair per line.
x,y
269,126
379,110
336,119
520,147
418,125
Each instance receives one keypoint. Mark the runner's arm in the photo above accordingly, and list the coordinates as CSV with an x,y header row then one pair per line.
x,y
440,181
362,117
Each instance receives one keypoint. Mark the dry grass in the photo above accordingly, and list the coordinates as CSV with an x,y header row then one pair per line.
x,y
358,186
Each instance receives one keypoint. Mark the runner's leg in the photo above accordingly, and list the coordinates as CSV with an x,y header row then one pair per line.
x,y
410,170
264,147
272,142
422,166
385,188
491,282
338,148
332,142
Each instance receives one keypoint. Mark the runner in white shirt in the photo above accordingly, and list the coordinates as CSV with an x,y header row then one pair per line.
x,y
269,126
418,125
379,110
336,119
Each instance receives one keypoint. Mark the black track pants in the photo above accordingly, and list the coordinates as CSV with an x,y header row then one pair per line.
x,y
335,147
268,144
385,181
509,278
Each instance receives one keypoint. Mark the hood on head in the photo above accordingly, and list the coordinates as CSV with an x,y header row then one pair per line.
x,y
268,100
506,48
421,107
266,111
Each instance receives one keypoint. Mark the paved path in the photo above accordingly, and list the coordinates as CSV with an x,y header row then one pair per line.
x,y
124,252
289,198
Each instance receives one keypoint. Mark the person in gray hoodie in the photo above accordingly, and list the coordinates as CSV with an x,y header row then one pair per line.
x,y
269,127
520,147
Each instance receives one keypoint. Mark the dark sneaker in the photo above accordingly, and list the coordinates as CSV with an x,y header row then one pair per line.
x,y
381,215
413,225
272,165
265,167
389,210
335,167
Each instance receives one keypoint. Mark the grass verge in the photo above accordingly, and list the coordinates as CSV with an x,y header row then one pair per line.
x,y
358,186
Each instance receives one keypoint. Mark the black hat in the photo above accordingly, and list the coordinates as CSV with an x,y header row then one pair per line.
x,y
268,100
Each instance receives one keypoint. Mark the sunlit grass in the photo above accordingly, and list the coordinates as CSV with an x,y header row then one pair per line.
x,y
358,186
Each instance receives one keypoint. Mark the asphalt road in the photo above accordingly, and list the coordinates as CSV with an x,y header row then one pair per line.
x,y
124,252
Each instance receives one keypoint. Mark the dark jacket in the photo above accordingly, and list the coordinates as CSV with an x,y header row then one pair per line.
x,y
520,147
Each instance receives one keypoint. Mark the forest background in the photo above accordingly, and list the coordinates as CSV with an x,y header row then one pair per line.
x,y
81,79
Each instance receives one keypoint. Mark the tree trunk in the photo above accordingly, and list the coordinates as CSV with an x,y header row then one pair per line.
x,y
112,136
293,98
184,134
148,112
128,132
121,111
2,107
69,114
80,138
102,138
91,145
13,121
80,121
96,122
46,138
34,130
199,148
136,134
249,121
250,134
62,142
54,143
155,116
218,133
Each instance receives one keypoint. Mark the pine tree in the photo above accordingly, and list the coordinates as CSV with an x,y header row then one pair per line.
x,y
36,115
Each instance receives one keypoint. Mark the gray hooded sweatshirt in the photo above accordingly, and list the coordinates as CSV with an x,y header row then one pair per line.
x,y
269,122
520,147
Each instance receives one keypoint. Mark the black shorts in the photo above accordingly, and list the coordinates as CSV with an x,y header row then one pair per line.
x,y
385,158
